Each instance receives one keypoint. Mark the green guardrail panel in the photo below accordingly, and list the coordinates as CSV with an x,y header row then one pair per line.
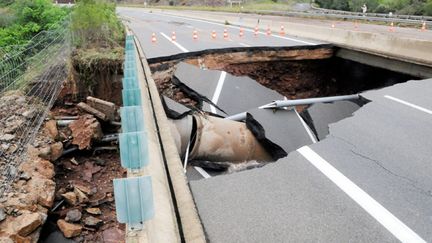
x,y
129,65
133,150
131,97
134,199
130,83
132,119
130,72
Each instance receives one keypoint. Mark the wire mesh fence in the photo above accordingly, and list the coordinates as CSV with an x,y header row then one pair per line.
x,y
31,78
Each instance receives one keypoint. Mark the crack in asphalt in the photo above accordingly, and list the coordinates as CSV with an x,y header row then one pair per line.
x,y
410,182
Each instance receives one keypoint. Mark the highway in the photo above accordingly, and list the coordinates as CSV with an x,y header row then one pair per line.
x,y
368,180
144,24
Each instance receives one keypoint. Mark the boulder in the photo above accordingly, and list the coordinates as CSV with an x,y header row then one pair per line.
x,y
51,129
2,214
7,137
69,230
73,215
27,222
70,198
92,222
84,130
56,151
94,211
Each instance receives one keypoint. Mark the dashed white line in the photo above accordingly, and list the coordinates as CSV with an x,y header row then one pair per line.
x,y
235,27
202,172
175,43
408,104
243,44
218,90
370,205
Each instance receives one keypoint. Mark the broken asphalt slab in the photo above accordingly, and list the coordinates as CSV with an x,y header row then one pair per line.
x,y
237,94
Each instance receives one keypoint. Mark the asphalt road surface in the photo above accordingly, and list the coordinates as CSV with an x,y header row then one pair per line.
x,y
369,180
144,23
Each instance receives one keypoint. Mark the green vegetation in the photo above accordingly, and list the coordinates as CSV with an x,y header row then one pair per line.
x,y
98,36
24,19
95,24
409,7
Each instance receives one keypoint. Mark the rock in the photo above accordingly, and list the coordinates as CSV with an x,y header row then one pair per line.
x,y
56,151
73,215
24,176
113,235
83,188
108,108
70,198
84,130
94,211
29,113
69,230
99,162
7,137
26,223
2,214
45,152
51,129
6,240
5,146
43,190
93,222
81,196
20,239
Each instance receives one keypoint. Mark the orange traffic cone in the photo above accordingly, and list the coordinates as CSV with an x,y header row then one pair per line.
x,y
195,35
213,34
225,34
423,28
173,36
268,31
391,29
282,30
256,31
241,33
153,38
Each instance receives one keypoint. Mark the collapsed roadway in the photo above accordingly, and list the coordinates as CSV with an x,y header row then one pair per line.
x,y
267,165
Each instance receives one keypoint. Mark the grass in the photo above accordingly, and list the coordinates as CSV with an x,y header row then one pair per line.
x,y
6,17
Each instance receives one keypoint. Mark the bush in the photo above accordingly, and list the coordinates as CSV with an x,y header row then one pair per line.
x,y
6,18
95,24
28,18
382,9
427,8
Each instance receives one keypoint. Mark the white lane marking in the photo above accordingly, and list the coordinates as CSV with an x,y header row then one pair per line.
x,y
291,39
218,91
307,128
202,172
175,43
243,44
235,27
408,104
376,210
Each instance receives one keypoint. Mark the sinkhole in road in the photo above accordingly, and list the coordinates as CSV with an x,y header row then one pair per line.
x,y
263,74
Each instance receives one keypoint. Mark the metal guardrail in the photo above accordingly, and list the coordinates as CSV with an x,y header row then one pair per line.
x,y
381,15
407,19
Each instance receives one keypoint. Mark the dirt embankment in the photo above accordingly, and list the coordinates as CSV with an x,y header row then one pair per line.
x,y
94,72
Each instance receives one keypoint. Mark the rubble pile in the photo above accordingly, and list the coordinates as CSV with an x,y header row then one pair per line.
x,y
27,199
50,184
